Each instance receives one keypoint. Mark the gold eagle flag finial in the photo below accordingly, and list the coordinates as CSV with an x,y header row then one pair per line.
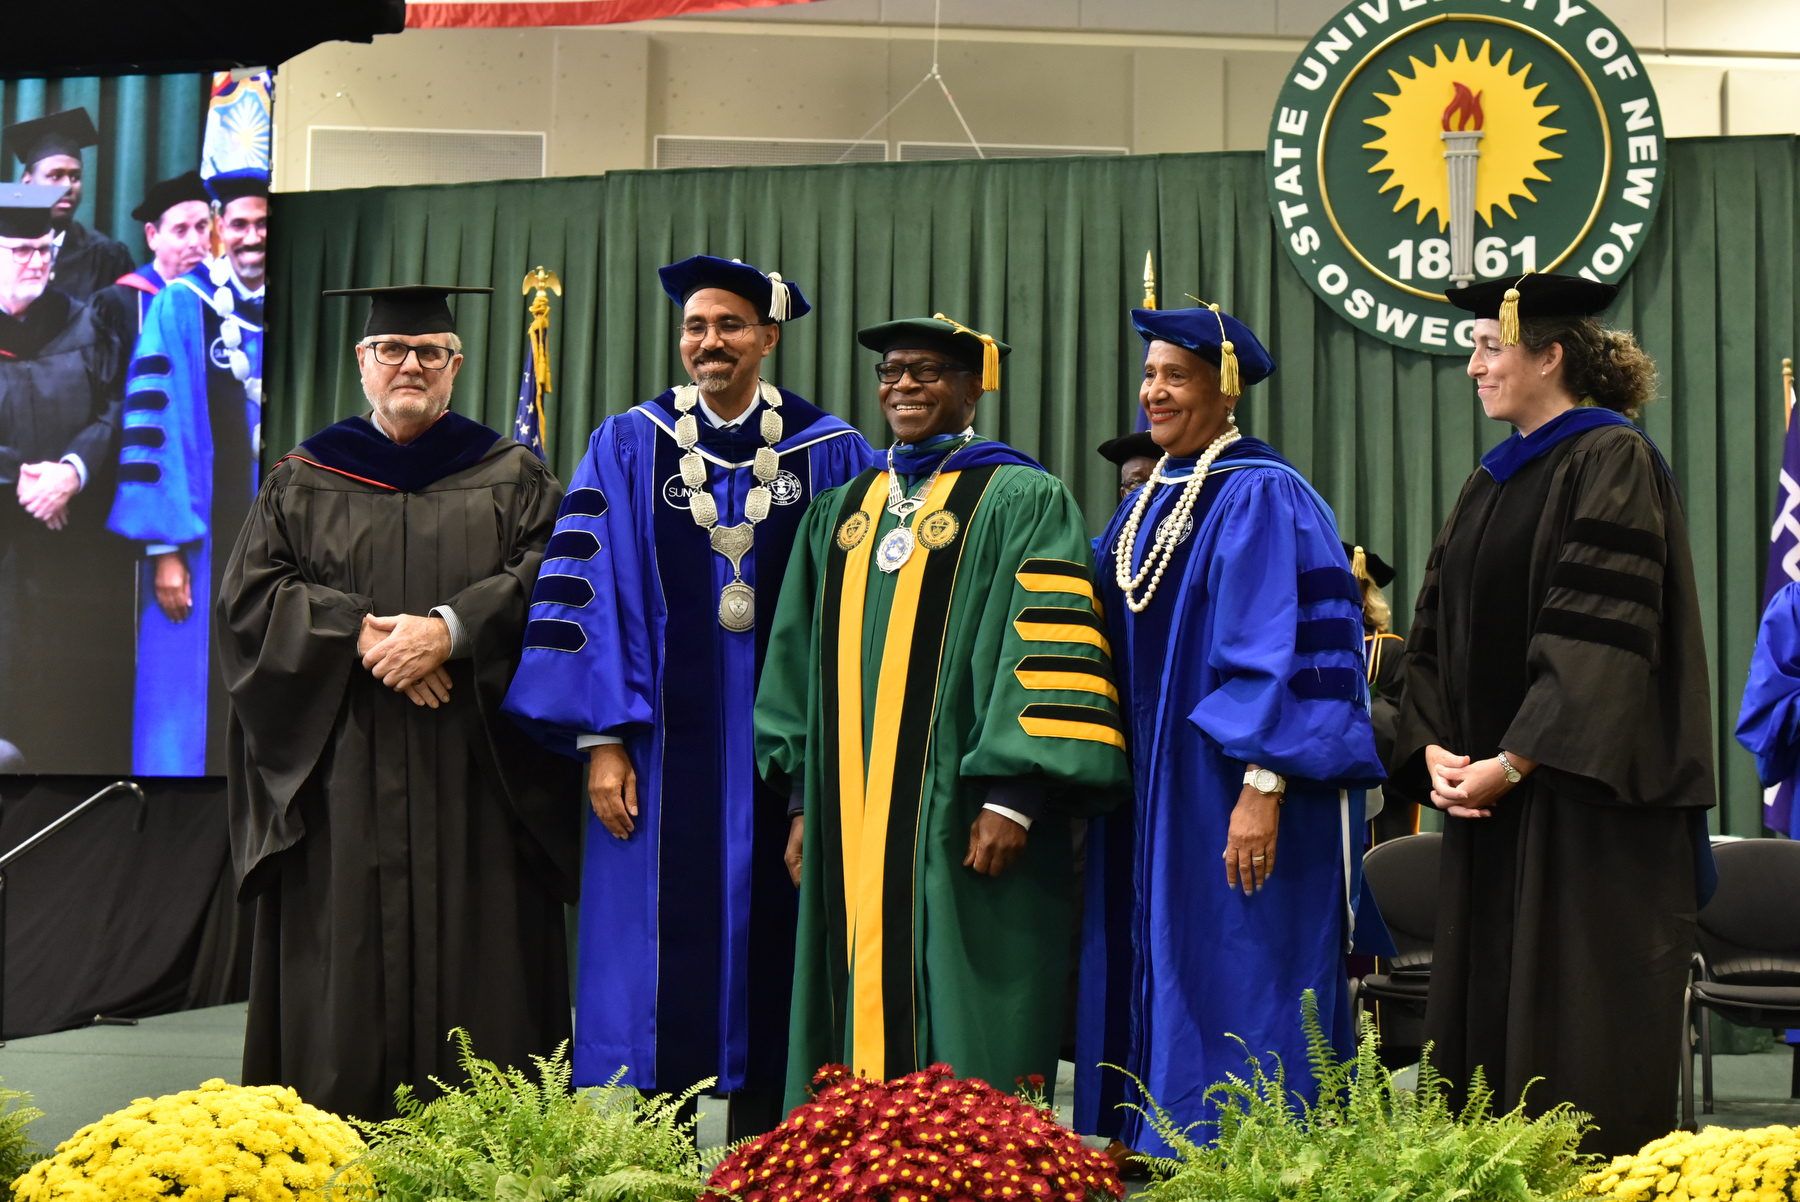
x,y
538,333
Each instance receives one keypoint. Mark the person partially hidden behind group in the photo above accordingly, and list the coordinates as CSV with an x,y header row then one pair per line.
x,y
1383,653
1557,710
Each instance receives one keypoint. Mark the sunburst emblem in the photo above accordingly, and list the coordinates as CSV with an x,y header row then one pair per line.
x,y
1510,153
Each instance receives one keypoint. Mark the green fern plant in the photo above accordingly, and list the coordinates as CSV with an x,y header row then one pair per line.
x,y
1365,1139
503,1137
17,1151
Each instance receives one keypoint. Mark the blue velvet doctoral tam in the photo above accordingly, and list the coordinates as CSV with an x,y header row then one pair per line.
x,y
187,476
686,959
1251,651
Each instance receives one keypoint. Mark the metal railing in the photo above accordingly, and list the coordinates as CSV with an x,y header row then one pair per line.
x,y
36,841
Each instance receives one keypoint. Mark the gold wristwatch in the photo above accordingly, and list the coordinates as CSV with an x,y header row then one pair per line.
x,y
1513,775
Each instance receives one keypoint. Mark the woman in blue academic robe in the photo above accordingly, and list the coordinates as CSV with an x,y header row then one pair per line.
x,y
1233,883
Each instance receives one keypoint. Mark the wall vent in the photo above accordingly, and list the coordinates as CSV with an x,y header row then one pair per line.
x,y
360,157
677,150
915,152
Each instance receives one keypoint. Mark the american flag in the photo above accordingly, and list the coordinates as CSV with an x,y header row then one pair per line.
x,y
528,424
1779,812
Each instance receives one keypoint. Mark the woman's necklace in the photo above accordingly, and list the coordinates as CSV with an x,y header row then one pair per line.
x,y
737,600
896,547
1168,531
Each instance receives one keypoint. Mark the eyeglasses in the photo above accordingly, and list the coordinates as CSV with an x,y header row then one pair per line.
x,y
728,328
926,371
25,254
392,354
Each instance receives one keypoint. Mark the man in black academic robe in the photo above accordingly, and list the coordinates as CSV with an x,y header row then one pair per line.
x,y
50,148
1558,630
409,850
65,582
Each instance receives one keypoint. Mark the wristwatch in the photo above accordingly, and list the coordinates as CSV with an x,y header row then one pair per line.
x,y
1264,781
1513,775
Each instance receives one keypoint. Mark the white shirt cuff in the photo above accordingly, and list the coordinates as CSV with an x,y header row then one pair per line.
x,y
154,549
583,742
1013,814
74,461
459,635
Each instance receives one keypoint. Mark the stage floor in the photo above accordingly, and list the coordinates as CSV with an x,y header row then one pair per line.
x,y
77,1076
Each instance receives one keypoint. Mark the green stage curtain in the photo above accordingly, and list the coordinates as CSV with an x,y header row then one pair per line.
x,y
1048,255
149,126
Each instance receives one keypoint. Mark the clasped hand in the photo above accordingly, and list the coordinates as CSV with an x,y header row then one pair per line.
x,y
44,489
407,654
1465,789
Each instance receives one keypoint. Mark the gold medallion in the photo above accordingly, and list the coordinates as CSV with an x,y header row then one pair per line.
x,y
737,607
853,531
938,530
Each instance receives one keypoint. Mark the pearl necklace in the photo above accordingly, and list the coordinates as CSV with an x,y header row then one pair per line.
x,y
737,600
1168,531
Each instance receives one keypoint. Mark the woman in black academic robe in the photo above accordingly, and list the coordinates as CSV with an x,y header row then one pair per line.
x,y
1556,708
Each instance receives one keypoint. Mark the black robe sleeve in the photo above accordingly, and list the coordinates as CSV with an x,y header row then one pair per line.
x,y
286,649
1617,663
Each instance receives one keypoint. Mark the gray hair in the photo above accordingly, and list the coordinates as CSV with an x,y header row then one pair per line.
x,y
372,339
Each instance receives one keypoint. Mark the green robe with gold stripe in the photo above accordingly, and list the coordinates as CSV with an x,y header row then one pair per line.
x,y
898,701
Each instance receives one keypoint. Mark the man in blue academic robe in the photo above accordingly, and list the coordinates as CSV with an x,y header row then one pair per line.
x,y
648,630
187,476
177,217
1237,635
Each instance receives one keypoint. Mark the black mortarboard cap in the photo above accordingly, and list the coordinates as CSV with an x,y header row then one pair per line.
x,y
66,132
409,309
25,209
956,342
1131,446
227,188
1539,296
1373,565
166,194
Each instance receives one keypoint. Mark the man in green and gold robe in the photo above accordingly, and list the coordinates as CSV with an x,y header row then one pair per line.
x,y
938,699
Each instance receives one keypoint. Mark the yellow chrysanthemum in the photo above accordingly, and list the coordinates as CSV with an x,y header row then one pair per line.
x,y
210,1144
1715,1165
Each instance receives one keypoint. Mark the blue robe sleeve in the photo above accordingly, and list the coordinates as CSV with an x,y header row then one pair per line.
x,y
165,460
588,665
1286,645
1769,722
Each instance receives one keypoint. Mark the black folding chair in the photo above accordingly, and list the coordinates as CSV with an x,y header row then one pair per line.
x,y
1403,875
1748,967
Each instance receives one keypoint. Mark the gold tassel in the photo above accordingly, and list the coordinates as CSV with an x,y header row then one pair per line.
x,y
990,354
1359,564
1230,382
1509,314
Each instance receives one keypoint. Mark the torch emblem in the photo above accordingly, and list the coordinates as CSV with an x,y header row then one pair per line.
x,y
1462,156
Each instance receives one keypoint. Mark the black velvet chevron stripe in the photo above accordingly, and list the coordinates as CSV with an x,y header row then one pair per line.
x,y
1062,663
557,589
142,436
1586,627
1428,597
1628,540
1053,567
1326,684
1626,586
554,634
1327,634
1432,560
150,398
1073,713
583,502
1058,615
139,473
149,365
572,544
1325,584
1422,639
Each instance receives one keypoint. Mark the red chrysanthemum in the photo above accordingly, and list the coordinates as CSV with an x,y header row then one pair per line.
x,y
918,1138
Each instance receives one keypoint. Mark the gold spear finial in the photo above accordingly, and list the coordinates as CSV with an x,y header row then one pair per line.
x,y
1787,385
1149,282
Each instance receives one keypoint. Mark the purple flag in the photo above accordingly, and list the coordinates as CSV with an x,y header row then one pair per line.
x,y
1779,812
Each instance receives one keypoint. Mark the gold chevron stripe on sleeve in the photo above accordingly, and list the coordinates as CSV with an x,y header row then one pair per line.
x,y
1079,682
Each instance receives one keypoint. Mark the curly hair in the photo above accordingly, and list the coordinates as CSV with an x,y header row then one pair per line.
x,y
1605,366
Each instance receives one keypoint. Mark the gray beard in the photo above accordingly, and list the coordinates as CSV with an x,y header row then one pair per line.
x,y
714,382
